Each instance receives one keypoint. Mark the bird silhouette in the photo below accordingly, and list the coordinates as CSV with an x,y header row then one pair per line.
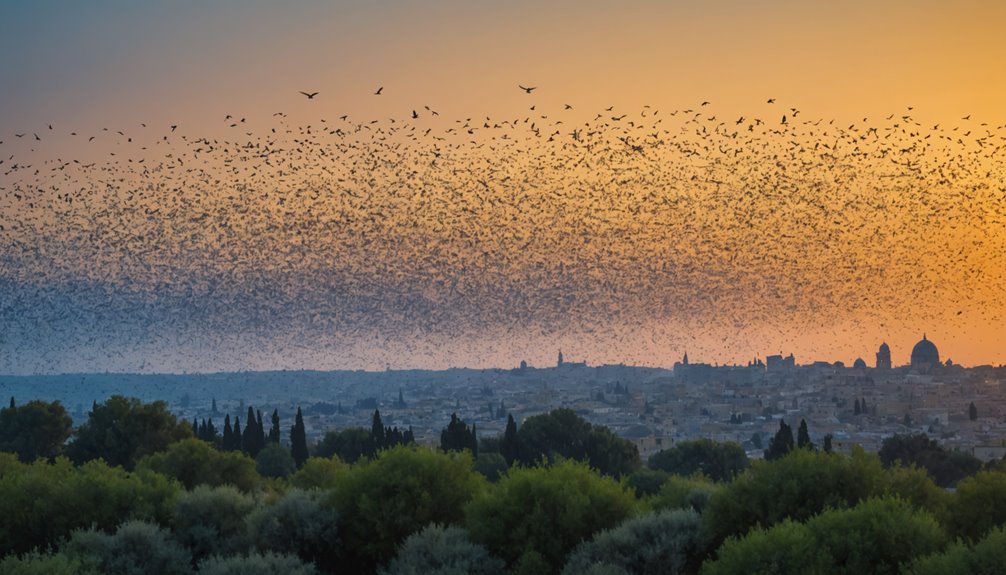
x,y
528,90
310,95
379,90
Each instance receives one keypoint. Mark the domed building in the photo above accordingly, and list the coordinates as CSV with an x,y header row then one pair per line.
x,y
925,355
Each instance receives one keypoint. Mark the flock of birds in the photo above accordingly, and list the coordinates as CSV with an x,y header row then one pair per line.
x,y
634,229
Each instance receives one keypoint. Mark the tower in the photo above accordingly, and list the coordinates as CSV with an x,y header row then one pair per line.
x,y
559,363
884,357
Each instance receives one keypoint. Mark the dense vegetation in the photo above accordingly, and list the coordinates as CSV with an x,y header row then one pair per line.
x,y
144,493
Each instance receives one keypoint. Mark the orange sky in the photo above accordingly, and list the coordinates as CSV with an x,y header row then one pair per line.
x,y
758,242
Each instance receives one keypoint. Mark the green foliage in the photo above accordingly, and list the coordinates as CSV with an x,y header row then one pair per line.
x,y
664,543
548,510
42,503
275,461
684,493
35,429
194,462
383,501
945,466
718,461
256,564
439,550
211,521
350,444
803,436
987,557
36,563
782,443
784,549
136,548
979,505
122,430
492,466
797,486
562,433
877,536
297,524
318,473
647,482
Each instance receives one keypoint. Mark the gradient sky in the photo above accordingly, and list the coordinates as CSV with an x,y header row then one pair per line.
x,y
740,278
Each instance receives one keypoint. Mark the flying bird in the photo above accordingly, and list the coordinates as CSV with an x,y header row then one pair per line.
x,y
378,92
310,95
528,90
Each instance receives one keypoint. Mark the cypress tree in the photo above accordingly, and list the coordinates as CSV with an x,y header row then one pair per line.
x,y
827,443
12,404
274,431
972,411
510,449
298,440
227,439
237,440
782,443
856,410
803,436
248,440
259,431
377,431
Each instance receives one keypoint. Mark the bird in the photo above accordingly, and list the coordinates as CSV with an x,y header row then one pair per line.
x,y
310,95
528,90
771,101
414,115
378,92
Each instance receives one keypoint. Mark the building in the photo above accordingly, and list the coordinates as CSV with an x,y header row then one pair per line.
x,y
925,356
884,357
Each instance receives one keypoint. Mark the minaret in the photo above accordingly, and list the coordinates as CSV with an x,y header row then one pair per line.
x,y
559,364
684,360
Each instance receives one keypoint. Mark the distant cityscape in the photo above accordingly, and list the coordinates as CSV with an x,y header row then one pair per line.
x,y
653,407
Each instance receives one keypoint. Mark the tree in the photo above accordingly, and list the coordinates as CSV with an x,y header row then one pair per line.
x,y
547,510
297,524
510,446
782,443
253,439
978,505
972,412
298,440
43,503
122,430
875,536
986,557
377,431
193,462
318,473
803,436
382,501
211,520
274,430
563,433
440,550
275,461
827,443
350,444
227,440
35,429
945,466
718,461
457,436
237,437
136,547
492,466
666,542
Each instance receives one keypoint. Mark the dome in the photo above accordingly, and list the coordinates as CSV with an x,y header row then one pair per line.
x,y
925,354
859,363
885,349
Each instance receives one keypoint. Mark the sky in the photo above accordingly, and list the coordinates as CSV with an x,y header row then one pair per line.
x,y
874,211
